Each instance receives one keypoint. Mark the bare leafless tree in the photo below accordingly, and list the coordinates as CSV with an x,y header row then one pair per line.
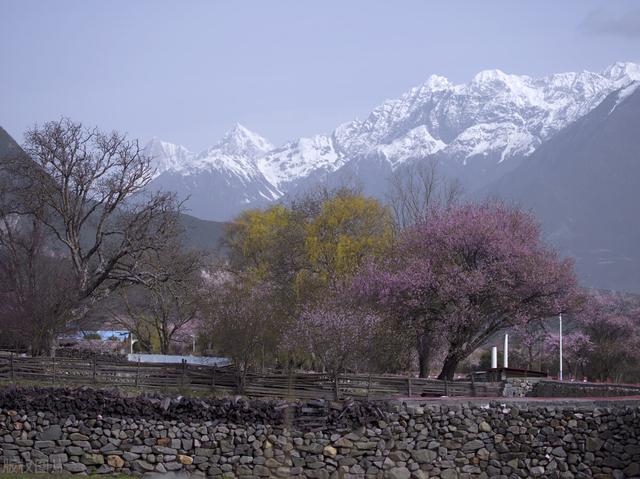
x,y
417,187
33,306
239,319
164,308
88,188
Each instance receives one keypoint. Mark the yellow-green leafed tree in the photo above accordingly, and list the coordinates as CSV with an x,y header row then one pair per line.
x,y
348,228
263,243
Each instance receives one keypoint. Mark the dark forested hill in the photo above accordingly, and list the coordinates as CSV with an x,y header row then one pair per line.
x,y
584,186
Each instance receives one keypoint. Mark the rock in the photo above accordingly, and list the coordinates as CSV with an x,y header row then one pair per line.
x,y
632,470
44,444
483,454
163,441
108,448
343,442
165,450
613,462
115,461
184,459
559,452
52,433
104,469
90,459
204,452
261,471
537,471
484,427
74,467
60,458
399,456
449,474
473,445
143,466
76,436
422,456
130,456
172,466
398,473
74,451
594,444
330,451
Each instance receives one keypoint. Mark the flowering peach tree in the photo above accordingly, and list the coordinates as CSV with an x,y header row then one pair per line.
x,y
464,273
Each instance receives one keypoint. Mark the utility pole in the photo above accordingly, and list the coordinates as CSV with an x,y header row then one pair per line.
x,y
505,359
560,376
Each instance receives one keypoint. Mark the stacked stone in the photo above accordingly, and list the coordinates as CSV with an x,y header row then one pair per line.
x,y
520,387
445,441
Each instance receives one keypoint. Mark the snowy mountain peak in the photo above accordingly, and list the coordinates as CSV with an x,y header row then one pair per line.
x,y
437,82
241,141
622,71
167,156
486,76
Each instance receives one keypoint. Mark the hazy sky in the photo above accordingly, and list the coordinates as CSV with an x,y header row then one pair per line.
x,y
186,71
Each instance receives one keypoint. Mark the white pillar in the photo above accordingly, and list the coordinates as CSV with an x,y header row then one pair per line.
x,y
506,351
560,376
494,357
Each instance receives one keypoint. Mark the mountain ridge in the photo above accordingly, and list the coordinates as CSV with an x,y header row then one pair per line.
x,y
477,131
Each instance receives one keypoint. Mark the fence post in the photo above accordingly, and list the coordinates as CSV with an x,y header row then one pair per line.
x,y
138,373
53,379
369,387
473,386
336,389
13,375
213,378
409,386
446,387
93,370
184,368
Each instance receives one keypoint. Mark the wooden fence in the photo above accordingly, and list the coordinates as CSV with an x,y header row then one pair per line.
x,y
66,371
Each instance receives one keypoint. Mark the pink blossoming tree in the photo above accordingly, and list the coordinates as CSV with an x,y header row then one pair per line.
x,y
338,332
612,325
464,273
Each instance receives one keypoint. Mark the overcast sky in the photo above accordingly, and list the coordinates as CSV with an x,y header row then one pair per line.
x,y
186,71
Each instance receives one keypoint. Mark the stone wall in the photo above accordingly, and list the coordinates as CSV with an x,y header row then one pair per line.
x,y
578,389
455,440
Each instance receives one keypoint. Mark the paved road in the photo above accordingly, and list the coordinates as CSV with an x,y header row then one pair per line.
x,y
524,401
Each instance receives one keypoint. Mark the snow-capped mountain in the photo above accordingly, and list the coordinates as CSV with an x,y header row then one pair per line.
x,y
478,131
219,182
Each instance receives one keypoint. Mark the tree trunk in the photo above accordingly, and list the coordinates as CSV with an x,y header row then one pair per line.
x,y
424,354
449,367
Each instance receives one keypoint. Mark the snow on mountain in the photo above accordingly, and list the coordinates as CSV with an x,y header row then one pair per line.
x,y
473,129
470,117
219,182
299,159
167,156
417,143
243,142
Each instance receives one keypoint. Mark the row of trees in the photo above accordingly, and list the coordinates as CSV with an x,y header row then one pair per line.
x,y
347,279
331,280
